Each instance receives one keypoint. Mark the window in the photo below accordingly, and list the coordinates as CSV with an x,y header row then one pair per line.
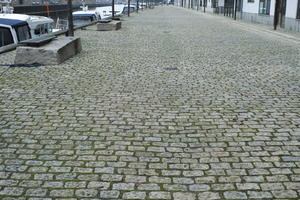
x,y
298,10
251,1
23,32
5,37
43,29
264,7
239,5
214,3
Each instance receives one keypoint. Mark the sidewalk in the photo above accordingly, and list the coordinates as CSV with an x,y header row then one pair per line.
x,y
175,105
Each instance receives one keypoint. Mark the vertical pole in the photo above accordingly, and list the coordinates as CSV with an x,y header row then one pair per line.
x,y
70,19
276,14
204,5
47,9
128,8
113,9
235,9
137,6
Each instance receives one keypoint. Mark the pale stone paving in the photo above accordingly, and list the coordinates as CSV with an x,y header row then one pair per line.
x,y
175,105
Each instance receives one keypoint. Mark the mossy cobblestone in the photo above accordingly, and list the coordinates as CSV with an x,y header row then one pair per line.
x,y
175,105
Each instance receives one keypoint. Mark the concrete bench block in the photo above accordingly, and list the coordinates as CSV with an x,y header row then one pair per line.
x,y
53,53
110,26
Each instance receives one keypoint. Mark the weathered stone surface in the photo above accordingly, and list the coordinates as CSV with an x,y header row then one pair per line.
x,y
177,106
235,195
184,196
53,53
110,26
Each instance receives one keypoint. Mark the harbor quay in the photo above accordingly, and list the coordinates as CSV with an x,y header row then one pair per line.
x,y
177,104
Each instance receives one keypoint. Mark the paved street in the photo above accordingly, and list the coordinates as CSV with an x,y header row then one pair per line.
x,y
175,105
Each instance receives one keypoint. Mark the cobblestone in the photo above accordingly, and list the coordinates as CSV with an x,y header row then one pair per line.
x,y
176,105
134,195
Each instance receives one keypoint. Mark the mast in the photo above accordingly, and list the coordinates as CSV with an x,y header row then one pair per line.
x,y
6,8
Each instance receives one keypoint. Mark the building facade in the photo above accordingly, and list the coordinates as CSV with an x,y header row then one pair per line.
x,y
257,11
42,2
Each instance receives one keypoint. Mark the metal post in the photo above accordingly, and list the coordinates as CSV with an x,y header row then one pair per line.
x,y
128,8
113,9
204,5
70,19
235,9
137,6
276,14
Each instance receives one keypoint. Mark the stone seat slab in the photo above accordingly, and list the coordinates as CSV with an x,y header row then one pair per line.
x,y
111,26
53,53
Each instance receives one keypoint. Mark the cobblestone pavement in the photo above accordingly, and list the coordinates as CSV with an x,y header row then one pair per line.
x,y
175,105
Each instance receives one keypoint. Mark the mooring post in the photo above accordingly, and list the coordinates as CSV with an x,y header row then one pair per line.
x,y
235,9
113,9
276,14
70,19
128,8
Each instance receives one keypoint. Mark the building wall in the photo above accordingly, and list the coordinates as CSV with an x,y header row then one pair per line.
x,y
272,9
250,7
221,2
256,18
187,4
292,24
209,6
250,12
291,8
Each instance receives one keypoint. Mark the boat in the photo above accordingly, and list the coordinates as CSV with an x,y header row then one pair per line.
x,y
13,31
132,8
106,11
85,16
38,25
15,28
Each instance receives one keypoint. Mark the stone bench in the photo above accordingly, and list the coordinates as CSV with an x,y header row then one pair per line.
x,y
109,26
53,53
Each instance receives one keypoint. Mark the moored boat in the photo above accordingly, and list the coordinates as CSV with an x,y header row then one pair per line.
x,y
15,28
85,16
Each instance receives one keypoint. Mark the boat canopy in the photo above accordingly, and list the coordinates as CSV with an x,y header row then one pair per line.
x,y
83,15
12,22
